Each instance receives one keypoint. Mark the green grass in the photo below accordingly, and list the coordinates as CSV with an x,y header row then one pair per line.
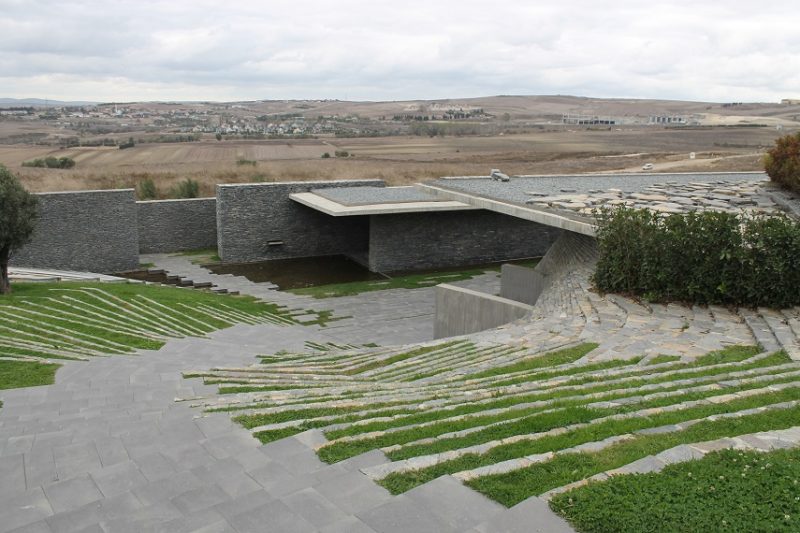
x,y
664,359
403,481
203,255
17,374
410,281
422,350
559,357
725,491
514,487
105,326
342,450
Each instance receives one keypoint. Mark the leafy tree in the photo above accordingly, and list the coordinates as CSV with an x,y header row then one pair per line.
x,y
18,214
782,162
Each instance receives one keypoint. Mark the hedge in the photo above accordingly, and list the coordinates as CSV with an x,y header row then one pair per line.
x,y
701,257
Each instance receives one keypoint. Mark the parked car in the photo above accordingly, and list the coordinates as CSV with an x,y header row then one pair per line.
x,y
647,166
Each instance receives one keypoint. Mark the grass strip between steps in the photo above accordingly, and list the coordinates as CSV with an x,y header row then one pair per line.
x,y
558,357
338,451
514,487
403,481
729,490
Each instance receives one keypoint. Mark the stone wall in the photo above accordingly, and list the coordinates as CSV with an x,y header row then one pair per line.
x,y
526,284
460,311
421,241
177,225
93,231
257,222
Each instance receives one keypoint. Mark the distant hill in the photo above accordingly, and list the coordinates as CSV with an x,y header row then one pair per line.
x,y
38,102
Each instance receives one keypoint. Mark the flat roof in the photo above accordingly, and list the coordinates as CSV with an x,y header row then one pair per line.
x,y
527,197
381,205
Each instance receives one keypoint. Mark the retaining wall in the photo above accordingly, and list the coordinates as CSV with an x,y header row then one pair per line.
x,y
93,231
177,225
460,311
257,222
526,285
422,241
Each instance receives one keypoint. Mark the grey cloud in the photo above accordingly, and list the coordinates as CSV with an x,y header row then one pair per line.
x,y
381,50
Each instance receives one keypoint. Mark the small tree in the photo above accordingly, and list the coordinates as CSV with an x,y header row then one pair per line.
x,y
782,162
147,190
18,214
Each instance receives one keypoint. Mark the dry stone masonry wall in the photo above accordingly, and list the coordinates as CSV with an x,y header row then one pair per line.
x,y
88,230
257,222
177,225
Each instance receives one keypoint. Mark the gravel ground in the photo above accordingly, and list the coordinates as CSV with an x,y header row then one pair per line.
x,y
517,190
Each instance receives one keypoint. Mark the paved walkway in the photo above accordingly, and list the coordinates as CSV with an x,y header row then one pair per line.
x,y
107,448
397,316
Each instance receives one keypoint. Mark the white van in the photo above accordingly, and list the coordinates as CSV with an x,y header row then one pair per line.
x,y
647,166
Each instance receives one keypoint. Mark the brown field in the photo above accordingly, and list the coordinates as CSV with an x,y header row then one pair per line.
x,y
398,160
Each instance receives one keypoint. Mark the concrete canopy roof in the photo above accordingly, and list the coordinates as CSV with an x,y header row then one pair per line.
x,y
378,207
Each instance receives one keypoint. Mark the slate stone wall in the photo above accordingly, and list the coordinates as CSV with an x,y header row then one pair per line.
x,y
257,222
421,241
177,225
94,231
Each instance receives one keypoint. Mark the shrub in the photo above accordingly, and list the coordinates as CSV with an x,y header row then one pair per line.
x,y
326,155
51,162
147,190
703,258
130,144
187,188
242,162
782,162
342,153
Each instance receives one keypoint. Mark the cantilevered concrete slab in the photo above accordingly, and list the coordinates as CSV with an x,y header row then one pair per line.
x,y
377,201
568,201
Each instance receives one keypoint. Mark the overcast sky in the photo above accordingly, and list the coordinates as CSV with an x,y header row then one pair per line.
x,y
117,50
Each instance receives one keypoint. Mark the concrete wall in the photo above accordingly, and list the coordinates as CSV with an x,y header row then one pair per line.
x,y
93,231
460,311
250,216
526,285
177,225
522,284
420,241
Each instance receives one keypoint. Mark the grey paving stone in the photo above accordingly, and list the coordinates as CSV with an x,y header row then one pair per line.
x,y
118,478
353,492
200,498
72,493
167,488
314,507
92,514
402,514
530,516
274,517
244,503
457,505
12,474
229,476
23,509
351,524
36,527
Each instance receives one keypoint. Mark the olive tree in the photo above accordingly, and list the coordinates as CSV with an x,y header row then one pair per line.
x,y
18,215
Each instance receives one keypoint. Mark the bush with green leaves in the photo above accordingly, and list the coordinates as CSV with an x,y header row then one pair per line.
x,y
147,190
187,188
701,257
782,162
50,162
